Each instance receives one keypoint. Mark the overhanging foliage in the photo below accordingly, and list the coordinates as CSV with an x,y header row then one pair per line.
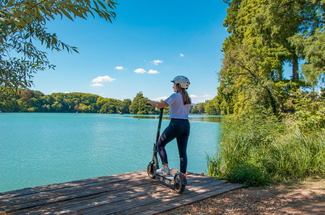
x,y
23,25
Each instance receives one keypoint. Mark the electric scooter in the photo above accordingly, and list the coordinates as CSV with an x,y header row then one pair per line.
x,y
178,180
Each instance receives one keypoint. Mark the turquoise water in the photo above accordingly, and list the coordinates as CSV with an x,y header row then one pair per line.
x,y
46,148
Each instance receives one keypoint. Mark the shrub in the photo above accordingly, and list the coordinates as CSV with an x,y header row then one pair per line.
x,y
248,174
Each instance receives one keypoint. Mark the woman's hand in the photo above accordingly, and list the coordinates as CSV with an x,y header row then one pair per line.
x,y
149,103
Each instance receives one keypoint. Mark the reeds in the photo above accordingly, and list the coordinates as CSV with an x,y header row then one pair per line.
x,y
260,149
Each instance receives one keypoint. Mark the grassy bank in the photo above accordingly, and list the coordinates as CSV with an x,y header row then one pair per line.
x,y
261,148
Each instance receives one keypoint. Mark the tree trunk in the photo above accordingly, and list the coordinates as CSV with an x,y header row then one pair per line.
x,y
295,75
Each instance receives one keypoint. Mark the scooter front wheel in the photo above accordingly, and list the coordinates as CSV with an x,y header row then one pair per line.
x,y
151,171
179,183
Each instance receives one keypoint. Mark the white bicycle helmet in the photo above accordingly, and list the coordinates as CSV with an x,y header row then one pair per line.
x,y
182,80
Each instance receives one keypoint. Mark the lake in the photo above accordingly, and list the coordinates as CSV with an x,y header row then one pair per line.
x,y
46,148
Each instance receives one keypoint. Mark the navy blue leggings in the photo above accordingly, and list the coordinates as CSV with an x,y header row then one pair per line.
x,y
179,129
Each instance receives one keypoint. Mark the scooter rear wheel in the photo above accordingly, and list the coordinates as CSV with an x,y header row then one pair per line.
x,y
150,171
179,184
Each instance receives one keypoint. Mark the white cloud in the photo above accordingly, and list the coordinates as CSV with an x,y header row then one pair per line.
x,y
156,62
119,67
159,98
140,70
151,71
96,85
181,55
101,79
199,99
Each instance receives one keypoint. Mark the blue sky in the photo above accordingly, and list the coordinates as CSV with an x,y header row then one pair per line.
x,y
147,45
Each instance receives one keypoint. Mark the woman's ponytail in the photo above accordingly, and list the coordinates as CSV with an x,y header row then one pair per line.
x,y
185,96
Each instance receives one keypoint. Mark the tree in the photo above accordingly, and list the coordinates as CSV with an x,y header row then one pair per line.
x,y
138,105
199,108
310,40
23,24
8,100
299,26
84,108
249,61
123,106
194,110
264,36
212,107
109,106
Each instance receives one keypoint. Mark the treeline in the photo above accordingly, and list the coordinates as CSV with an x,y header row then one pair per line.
x,y
275,125
36,101
76,102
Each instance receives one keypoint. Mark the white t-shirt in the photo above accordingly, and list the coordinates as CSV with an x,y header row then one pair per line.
x,y
177,109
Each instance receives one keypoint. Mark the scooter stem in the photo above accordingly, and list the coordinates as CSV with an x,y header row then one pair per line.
x,y
159,123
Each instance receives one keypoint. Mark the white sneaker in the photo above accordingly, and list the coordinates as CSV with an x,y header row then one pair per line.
x,y
163,170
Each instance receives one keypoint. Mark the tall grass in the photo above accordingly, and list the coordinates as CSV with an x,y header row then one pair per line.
x,y
261,148
297,155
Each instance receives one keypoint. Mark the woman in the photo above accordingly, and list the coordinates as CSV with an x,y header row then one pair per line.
x,y
179,127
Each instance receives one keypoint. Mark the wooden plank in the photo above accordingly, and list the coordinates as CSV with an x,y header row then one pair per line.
x,y
158,193
137,191
89,204
158,207
128,193
44,198
159,197
82,182
27,192
88,200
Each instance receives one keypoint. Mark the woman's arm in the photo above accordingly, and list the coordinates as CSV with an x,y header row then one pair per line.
x,y
158,104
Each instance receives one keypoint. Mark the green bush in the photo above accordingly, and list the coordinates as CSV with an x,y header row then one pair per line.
x,y
248,174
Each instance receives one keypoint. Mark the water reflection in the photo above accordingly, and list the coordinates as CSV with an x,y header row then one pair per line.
x,y
201,118
206,118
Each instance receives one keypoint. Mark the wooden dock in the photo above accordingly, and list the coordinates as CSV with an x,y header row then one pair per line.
x,y
128,193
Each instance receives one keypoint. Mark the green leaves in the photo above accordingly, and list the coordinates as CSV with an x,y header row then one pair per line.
x,y
22,23
266,35
138,105
312,49
276,130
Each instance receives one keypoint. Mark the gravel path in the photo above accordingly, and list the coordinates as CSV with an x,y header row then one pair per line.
x,y
300,198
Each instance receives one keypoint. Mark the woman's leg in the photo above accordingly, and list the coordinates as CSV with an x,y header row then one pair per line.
x,y
182,147
168,135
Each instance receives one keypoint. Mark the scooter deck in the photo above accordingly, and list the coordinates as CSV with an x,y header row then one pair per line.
x,y
167,179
